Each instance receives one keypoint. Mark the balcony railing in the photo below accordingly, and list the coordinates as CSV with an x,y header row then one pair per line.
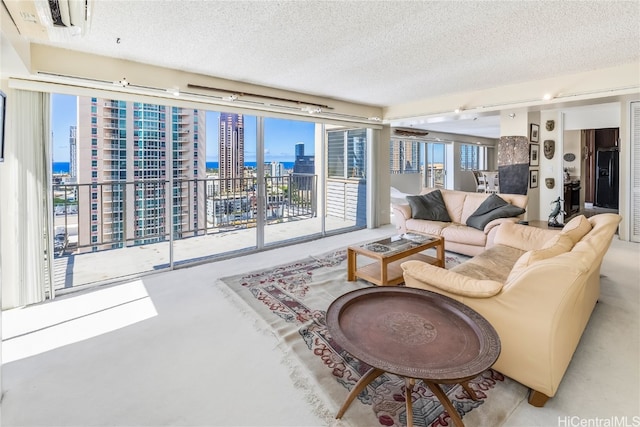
x,y
87,213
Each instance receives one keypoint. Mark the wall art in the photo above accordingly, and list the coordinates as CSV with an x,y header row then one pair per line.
x,y
533,132
533,178
534,152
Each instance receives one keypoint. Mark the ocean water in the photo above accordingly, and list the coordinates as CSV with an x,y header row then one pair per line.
x,y
60,167
63,167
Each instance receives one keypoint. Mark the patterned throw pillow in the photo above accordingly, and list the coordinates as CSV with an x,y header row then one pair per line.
x,y
429,206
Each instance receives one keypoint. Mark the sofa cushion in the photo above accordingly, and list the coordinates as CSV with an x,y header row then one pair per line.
x,y
557,245
427,227
455,201
450,281
463,234
522,237
577,228
471,203
493,264
429,206
492,208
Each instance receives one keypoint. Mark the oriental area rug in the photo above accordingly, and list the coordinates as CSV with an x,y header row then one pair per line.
x,y
290,302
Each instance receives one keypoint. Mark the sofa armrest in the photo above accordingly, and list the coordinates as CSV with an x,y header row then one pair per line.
x,y
492,228
401,213
417,272
496,222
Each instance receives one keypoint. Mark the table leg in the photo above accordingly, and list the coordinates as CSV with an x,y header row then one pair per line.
x,y
351,265
469,390
442,397
383,272
409,383
440,255
364,381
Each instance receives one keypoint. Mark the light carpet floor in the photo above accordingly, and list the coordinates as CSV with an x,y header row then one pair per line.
x,y
172,359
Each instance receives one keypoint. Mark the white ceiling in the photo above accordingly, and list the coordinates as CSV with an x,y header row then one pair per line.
x,y
380,53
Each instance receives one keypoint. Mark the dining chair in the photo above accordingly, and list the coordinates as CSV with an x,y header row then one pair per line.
x,y
480,181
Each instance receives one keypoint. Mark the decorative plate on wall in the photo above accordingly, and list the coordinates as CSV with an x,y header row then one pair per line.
x,y
569,157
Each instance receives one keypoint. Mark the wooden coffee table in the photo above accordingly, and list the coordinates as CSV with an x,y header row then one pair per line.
x,y
416,334
389,253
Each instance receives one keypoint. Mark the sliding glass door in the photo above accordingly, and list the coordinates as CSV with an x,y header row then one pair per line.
x,y
290,181
435,164
140,187
346,182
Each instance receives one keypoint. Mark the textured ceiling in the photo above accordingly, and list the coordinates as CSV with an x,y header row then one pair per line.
x,y
379,53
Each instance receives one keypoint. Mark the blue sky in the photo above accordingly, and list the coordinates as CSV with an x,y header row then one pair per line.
x,y
280,135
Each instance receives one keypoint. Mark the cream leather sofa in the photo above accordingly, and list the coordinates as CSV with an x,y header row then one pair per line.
x,y
537,287
458,237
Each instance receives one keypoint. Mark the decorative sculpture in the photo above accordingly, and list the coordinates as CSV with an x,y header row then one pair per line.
x,y
557,210
549,148
550,182
550,125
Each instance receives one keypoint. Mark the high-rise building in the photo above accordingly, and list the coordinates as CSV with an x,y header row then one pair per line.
x,y
404,156
276,169
304,165
73,155
126,151
231,152
358,159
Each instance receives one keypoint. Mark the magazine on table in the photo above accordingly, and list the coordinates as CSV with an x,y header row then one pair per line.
x,y
417,238
389,245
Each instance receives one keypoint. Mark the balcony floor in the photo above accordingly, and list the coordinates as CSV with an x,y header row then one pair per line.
x,y
116,264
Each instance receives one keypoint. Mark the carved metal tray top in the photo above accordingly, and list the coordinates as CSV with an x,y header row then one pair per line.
x,y
413,333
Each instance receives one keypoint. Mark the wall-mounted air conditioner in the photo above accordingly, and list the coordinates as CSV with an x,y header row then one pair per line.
x,y
51,19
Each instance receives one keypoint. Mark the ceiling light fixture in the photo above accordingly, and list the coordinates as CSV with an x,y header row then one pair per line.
x,y
547,97
231,97
375,118
458,110
174,91
123,82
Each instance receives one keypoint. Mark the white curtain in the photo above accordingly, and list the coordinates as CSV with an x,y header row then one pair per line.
x,y
25,204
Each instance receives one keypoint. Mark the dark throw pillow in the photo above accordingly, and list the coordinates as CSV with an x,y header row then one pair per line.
x,y
429,206
492,208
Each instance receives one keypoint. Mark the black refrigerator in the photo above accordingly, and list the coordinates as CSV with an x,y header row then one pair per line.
x,y
607,178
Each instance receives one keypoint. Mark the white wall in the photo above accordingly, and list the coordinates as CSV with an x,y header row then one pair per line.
x,y
550,168
410,183
381,178
593,116
514,122
572,145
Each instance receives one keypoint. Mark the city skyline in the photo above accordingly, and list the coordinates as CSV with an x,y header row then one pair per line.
x,y
280,135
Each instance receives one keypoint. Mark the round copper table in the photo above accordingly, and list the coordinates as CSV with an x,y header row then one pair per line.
x,y
416,334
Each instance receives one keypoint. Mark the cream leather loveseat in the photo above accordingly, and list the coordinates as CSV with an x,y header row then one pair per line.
x,y
537,287
460,205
